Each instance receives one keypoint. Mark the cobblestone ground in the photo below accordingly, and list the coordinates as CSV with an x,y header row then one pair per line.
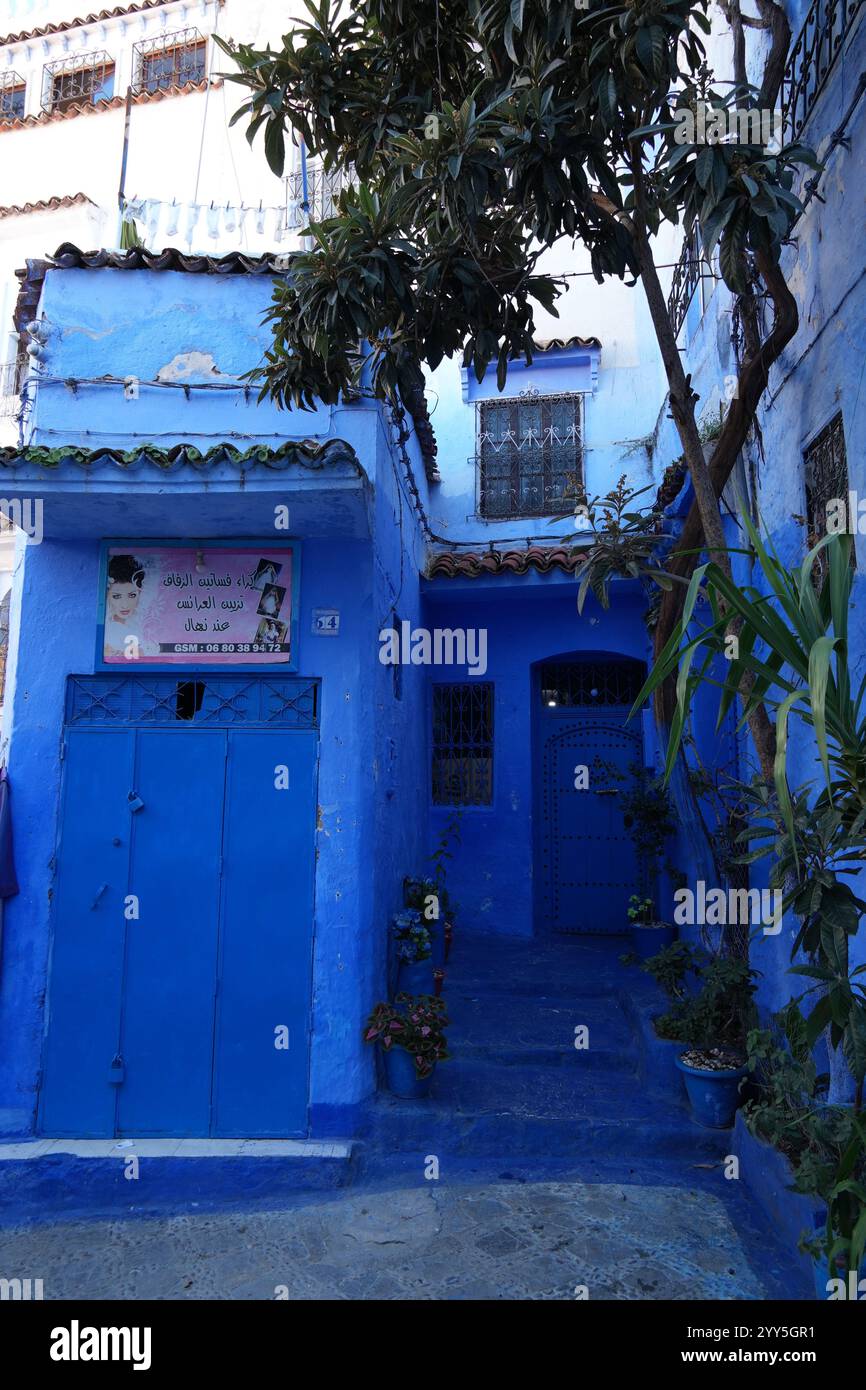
x,y
490,1241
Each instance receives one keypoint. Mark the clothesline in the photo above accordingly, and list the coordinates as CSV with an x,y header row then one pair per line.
x,y
162,218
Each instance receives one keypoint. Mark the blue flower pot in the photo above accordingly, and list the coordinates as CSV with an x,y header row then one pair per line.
x,y
400,1072
713,1095
417,978
648,941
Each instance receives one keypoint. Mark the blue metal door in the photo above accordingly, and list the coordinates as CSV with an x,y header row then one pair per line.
x,y
90,886
589,866
260,1083
180,977
170,965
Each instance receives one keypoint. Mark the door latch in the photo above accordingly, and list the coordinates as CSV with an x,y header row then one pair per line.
x,y
99,893
117,1071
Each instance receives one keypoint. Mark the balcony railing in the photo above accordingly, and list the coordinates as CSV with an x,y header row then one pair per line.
x,y
811,59
322,195
687,277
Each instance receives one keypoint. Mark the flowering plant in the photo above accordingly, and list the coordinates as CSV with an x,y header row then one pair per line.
x,y
416,1022
413,938
641,911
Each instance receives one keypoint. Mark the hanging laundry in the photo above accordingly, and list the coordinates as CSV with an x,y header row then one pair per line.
x,y
172,218
230,219
213,222
192,214
261,214
132,208
279,225
152,215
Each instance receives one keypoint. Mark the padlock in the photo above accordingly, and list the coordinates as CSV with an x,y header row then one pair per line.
x,y
135,802
117,1071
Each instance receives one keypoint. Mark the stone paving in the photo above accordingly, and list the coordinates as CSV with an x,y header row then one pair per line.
x,y
547,1240
560,1170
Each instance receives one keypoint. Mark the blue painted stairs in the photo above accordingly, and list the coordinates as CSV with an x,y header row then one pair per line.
x,y
516,1087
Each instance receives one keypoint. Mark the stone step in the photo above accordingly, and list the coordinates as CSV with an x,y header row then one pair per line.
x,y
579,1087
431,1128
50,1178
538,1022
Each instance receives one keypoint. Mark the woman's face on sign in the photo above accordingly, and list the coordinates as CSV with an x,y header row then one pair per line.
x,y
123,600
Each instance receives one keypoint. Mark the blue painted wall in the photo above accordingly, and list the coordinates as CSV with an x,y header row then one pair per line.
x,y
527,621
360,554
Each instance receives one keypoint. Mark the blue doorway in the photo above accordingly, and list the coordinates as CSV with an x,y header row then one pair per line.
x,y
586,865
180,978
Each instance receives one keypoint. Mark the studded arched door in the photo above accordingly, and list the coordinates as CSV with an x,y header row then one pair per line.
x,y
588,864
183,905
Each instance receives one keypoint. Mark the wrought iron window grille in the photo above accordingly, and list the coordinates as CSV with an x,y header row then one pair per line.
x,y
13,96
811,60
462,752
582,684
169,62
86,78
530,458
825,468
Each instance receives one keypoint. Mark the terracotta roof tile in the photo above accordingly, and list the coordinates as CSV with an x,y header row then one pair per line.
x,y
548,344
69,257
309,453
92,108
62,25
64,200
543,559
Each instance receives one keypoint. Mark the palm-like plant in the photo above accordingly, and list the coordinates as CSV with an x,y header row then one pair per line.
x,y
788,646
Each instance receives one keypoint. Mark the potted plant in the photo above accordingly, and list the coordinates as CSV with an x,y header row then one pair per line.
x,y
648,934
414,953
411,1032
424,897
714,1022
712,1013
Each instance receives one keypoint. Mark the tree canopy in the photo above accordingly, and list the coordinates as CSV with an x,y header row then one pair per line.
x,y
476,134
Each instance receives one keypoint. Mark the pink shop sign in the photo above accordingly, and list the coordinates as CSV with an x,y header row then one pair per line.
x,y
200,604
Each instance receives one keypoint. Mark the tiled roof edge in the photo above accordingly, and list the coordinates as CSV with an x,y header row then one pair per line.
x,y
70,257
309,453
473,564
548,344
62,25
59,200
93,108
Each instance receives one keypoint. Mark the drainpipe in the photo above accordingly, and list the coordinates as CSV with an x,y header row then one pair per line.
x,y
121,191
307,241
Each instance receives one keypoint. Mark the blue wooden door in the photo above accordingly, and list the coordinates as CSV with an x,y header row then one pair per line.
x,y
182,934
590,865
